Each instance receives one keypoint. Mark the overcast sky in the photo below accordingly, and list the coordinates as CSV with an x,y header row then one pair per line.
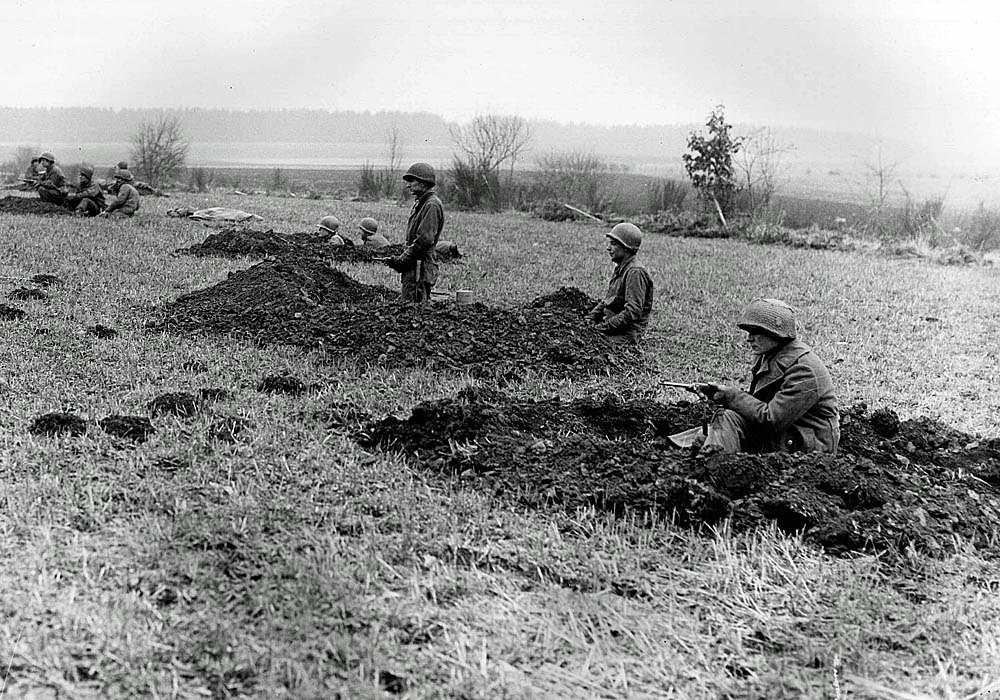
x,y
920,70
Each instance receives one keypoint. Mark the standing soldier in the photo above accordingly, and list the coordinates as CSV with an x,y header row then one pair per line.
x,y
126,201
51,185
417,264
624,313
88,200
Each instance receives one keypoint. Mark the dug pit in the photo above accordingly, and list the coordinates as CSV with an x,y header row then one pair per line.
x,y
927,486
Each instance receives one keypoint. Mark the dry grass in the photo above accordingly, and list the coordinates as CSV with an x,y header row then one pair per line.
x,y
290,563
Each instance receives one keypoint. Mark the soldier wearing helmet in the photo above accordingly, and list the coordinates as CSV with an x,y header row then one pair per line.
x,y
330,226
51,186
790,405
88,199
126,201
417,265
623,314
370,236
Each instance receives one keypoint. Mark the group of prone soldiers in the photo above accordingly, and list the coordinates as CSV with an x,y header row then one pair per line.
x,y
790,405
87,197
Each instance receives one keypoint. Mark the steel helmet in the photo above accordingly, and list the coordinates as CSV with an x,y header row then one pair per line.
x,y
124,175
47,155
122,165
329,223
770,315
627,234
87,171
420,171
369,225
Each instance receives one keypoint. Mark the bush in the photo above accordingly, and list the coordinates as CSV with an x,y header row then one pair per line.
x,y
159,149
576,177
979,230
201,179
666,195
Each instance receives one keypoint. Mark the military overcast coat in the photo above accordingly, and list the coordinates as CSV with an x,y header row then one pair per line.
x,y
626,307
791,405
423,229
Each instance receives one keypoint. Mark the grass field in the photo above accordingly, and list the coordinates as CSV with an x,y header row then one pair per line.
x,y
292,564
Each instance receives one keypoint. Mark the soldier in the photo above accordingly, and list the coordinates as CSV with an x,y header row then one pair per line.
x,y
88,200
790,406
417,264
51,185
331,225
370,235
623,314
126,201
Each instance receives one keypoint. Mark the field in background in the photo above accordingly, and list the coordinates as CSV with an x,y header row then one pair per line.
x,y
293,564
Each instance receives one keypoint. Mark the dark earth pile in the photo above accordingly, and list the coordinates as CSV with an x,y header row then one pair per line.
x,y
58,424
10,313
99,330
136,428
44,280
310,304
27,294
178,403
569,298
30,205
920,484
283,384
239,242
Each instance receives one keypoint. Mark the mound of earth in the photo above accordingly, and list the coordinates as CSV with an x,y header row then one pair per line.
x,y
569,298
27,294
58,423
136,428
283,384
927,486
99,330
11,313
177,403
310,304
31,205
245,242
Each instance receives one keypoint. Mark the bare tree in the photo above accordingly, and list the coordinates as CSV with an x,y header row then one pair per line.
x,y
760,165
394,154
159,149
487,144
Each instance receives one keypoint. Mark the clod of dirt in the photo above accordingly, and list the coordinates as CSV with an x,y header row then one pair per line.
x,y
885,422
11,313
283,384
58,424
44,280
178,403
195,366
929,487
307,303
27,294
136,428
31,205
102,331
229,428
214,394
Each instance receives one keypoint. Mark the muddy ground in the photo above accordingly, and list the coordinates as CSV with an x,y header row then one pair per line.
x,y
31,205
309,303
893,485
245,242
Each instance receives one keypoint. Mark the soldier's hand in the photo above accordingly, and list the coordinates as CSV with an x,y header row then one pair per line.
x,y
396,264
706,390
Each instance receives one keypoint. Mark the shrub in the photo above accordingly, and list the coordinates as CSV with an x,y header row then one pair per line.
x,y
159,149
709,163
201,179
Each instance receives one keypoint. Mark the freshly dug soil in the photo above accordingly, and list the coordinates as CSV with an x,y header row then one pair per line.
x,y
178,403
244,242
926,486
31,205
283,384
11,313
306,302
58,423
135,428
102,331
44,280
27,294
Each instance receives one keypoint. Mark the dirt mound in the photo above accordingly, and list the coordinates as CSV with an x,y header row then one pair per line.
x,y
283,384
245,242
58,424
569,298
136,428
929,487
101,331
11,313
27,294
310,304
178,403
31,205
44,280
